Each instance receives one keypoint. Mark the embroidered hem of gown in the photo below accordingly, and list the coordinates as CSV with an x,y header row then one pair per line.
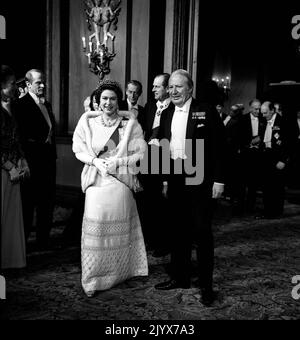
x,y
112,248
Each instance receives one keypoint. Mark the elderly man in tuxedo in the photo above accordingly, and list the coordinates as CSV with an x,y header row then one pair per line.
x,y
274,161
37,125
196,139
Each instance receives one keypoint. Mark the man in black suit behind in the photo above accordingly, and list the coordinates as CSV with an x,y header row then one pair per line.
x,y
196,137
37,125
220,108
155,230
234,178
134,90
293,127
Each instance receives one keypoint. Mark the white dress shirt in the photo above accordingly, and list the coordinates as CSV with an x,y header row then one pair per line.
x,y
40,103
161,106
254,124
178,130
178,133
298,120
226,120
268,132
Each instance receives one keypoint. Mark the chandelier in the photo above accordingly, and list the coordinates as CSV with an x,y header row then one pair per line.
x,y
223,82
101,15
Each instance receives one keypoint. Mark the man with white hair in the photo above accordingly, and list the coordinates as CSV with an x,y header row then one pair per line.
x,y
37,131
196,136
274,161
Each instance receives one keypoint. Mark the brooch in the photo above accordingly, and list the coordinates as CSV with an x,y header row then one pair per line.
x,y
276,136
276,128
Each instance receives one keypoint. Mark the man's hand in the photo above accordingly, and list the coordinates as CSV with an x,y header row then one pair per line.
x,y
255,142
14,175
218,190
111,165
101,165
165,190
23,168
280,166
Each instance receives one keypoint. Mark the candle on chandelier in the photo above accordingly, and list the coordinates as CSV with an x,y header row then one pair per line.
x,y
84,43
89,58
228,81
91,46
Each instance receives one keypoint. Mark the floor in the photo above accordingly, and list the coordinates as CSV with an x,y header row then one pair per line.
x,y
255,261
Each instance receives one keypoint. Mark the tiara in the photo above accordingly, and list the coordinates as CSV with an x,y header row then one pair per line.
x,y
110,83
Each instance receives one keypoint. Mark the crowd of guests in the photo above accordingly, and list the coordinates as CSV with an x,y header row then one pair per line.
x,y
122,213
28,165
263,155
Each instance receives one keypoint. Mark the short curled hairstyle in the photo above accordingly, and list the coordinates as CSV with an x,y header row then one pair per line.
x,y
109,85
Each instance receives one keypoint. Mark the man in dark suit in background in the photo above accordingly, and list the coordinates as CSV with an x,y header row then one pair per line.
x,y
220,108
233,185
293,126
274,161
196,137
251,126
156,230
37,125
134,90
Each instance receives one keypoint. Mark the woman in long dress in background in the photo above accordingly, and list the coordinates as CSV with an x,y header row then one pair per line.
x,y
112,246
13,168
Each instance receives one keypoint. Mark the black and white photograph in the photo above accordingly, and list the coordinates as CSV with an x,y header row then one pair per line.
x,y
150,163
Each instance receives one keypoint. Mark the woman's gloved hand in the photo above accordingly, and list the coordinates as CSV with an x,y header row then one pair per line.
x,y
101,165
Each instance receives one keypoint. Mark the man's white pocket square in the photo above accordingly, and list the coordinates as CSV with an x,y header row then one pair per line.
x,y
200,125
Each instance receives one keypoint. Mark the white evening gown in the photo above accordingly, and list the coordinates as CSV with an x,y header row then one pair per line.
x,y
112,247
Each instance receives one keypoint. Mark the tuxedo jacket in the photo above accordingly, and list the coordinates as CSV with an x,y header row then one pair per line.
x,y
149,116
123,106
293,132
34,130
203,123
279,142
223,116
232,131
245,130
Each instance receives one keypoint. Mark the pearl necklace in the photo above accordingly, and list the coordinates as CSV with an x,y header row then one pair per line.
x,y
108,124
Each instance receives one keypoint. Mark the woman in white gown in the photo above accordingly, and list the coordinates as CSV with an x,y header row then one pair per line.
x,y
112,246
